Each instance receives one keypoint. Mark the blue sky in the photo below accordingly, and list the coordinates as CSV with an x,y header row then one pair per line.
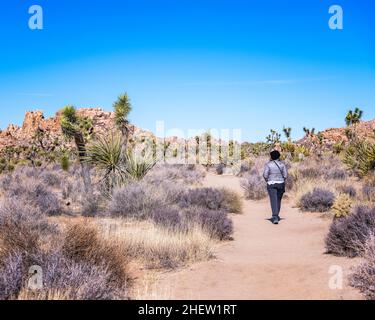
x,y
225,64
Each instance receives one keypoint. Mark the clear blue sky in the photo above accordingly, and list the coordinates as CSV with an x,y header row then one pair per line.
x,y
253,65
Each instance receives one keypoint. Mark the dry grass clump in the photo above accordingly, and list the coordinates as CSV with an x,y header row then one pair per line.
x,y
157,247
363,277
76,264
83,244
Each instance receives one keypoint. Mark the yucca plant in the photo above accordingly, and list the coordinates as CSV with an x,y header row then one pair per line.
x,y
137,167
360,157
106,154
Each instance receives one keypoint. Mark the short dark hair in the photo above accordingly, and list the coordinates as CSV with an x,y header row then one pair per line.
x,y
275,155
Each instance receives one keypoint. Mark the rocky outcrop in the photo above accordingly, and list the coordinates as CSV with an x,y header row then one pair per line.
x,y
35,123
364,130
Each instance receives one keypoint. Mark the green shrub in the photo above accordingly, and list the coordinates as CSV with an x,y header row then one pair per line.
x,y
342,206
360,158
65,162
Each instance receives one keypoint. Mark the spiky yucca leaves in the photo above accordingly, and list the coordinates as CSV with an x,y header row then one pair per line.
x,y
360,157
106,154
137,167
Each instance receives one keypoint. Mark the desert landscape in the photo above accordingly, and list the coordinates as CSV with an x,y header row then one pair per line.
x,y
94,208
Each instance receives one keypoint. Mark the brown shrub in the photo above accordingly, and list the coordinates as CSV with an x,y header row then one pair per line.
x,y
83,244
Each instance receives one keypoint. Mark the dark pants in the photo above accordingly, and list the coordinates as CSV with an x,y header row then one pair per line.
x,y
276,192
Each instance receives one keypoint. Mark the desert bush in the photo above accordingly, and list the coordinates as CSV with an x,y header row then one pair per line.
x,y
220,168
61,277
312,172
136,200
35,192
183,173
50,178
65,162
213,199
22,226
347,236
209,198
168,217
368,192
318,200
360,157
336,174
349,190
254,186
342,206
82,244
232,203
368,187
215,222
363,277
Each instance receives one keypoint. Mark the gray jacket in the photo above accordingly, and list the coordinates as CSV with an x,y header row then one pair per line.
x,y
273,173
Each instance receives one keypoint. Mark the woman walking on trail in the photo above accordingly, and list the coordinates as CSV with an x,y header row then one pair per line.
x,y
275,174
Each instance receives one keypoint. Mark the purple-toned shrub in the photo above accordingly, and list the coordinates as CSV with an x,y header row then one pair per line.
x,y
136,200
363,277
216,223
168,217
319,200
349,190
336,174
254,186
220,169
368,192
347,236
204,197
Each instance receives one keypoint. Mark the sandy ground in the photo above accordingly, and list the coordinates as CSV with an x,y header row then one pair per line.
x,y
264,261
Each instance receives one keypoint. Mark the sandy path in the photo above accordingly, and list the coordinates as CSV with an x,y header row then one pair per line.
x,y
264,261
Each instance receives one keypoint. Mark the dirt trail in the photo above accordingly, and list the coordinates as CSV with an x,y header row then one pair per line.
x,y
264,261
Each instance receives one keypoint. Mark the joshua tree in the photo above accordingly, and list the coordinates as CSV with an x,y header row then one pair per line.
x,y
75,127
352,119
166,146
273,138
122,107
308,132
208,139
287,132
197,150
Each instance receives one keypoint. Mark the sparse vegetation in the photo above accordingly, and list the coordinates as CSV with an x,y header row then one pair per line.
x,y
318,200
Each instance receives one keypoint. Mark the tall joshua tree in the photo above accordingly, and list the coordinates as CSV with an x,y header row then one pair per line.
x,y
197,150
75,127
352,119
122,107
288,133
